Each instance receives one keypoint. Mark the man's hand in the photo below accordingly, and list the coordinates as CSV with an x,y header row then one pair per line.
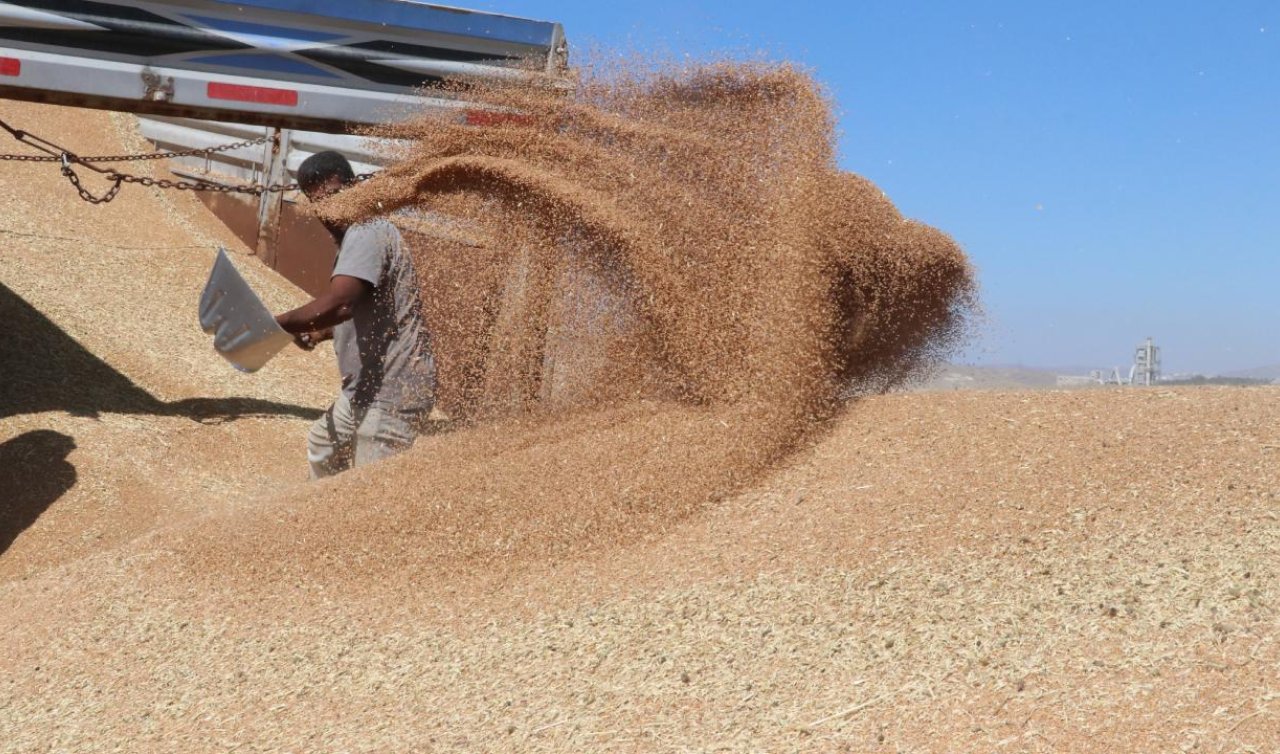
x,y
307,341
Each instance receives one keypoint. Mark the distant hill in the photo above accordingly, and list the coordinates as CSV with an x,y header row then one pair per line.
x,y
1017,376
989,377
1268,372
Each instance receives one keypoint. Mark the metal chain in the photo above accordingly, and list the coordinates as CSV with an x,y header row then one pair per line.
x,y
206,152
55,153
117,179
84,193
200,185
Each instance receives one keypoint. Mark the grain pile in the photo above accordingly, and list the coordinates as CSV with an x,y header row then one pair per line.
x,y
102,351
964,571
927,572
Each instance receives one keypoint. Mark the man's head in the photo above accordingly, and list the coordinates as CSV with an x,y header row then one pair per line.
x,y
323,174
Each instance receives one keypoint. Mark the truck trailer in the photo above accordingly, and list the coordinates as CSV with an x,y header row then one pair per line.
x,y
316,65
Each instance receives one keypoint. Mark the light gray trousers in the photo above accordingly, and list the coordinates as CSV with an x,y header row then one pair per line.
x,y
348,436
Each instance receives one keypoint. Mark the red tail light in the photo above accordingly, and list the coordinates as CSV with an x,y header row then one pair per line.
x,y
262,95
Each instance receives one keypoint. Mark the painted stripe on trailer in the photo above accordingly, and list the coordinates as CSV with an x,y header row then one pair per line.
x,y
417,16
430,52
31,18
262,95
117,30
10,67
263,31
264,62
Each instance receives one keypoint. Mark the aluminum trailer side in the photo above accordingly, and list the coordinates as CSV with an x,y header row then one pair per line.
x,y
319,65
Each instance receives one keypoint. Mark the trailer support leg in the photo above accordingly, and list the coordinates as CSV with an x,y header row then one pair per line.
x,y
270,202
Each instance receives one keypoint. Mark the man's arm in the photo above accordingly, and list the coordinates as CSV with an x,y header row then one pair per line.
x,y
331,308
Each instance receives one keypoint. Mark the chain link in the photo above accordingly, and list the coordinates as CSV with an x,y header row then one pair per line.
x,y
118,179
198,185
54,153
206,152
84,193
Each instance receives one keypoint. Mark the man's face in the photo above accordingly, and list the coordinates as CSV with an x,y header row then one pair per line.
x,y
324,190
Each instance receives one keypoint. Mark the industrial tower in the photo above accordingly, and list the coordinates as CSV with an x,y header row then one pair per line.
x,y
1146,364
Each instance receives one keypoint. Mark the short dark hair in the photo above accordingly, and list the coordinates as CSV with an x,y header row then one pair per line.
x,y
322,166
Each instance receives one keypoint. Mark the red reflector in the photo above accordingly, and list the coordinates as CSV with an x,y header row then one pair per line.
x,y
10,66
491,118
262,95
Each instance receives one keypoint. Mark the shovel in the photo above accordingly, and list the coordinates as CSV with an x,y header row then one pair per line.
x,y
244,330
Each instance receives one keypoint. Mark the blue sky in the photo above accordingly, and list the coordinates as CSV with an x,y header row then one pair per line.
x,y
1113,168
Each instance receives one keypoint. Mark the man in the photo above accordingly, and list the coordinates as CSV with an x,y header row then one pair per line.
x,y
372,312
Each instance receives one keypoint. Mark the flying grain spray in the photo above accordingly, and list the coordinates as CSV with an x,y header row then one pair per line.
x,y
643,293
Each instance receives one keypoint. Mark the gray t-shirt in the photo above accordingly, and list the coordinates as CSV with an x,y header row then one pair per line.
x,y
384,351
